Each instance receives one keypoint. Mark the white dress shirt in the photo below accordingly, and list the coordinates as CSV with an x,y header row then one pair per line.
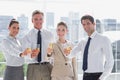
x,y
30,41
12,48
100,56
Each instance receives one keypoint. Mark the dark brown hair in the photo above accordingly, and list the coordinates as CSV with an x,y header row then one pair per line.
x,y
37,12
90,18
62,23
12,22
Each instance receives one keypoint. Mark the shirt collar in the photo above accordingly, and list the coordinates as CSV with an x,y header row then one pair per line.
x,y
66,41
93,34
36,30
10,37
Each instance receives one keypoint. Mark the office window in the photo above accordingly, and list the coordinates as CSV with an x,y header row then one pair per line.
x,y
70,11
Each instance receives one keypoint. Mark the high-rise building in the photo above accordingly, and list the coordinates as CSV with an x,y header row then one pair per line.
x,y
74,26
49,20
118,27
99,26
67,21
23,22
109,24
4,22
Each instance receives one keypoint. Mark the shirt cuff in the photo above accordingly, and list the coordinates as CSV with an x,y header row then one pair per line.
x,y
19,54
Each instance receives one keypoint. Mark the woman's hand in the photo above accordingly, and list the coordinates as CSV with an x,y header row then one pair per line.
x,y
49,51
26,52
67,51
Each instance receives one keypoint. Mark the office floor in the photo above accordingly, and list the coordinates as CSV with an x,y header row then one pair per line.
x,y
113,76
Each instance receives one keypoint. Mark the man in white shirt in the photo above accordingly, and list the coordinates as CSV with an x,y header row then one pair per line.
x,y
39,67
97,52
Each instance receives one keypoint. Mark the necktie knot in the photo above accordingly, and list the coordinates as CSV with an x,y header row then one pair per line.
x,y
39,31
89,38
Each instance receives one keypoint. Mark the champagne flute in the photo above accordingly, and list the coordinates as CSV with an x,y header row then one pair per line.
x,y
29,50
35,48
38,47
51,59
67,49
50,45
50,48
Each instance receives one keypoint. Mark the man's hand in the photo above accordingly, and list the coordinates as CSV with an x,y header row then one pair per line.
x,y
35,52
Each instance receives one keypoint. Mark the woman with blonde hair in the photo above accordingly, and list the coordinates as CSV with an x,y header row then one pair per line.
x,y
64,68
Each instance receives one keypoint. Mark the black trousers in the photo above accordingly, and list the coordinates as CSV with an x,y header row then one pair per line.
x,y
91,76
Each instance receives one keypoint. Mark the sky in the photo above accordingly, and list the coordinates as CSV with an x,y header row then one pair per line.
x,y
97,8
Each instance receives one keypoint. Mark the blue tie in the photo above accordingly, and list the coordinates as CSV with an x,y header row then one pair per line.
x,y
39,40
85,57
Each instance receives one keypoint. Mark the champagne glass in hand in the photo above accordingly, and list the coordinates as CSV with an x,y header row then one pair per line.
x,y
38,48
67,50
35,50
49,53
27,51
50,49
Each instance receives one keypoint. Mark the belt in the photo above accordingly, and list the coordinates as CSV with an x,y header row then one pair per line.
x,y
42,63
92,74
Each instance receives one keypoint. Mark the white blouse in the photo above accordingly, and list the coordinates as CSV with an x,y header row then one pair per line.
x,y
12,48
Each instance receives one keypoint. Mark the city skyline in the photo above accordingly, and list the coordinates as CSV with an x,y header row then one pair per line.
x,y
76,31
99,9
105,13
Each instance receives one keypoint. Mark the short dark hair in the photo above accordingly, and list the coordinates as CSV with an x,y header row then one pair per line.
x,y
62,23
89,17
12,22
37,12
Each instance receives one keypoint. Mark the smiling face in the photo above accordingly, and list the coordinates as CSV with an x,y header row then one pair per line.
x,y
37,20
13,29
61,31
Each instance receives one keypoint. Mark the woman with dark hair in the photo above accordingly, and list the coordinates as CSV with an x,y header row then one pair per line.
x,y
13,53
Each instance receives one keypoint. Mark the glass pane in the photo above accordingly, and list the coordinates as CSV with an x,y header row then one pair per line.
x,y
2,69
116,67
2,59
107,23
114,77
